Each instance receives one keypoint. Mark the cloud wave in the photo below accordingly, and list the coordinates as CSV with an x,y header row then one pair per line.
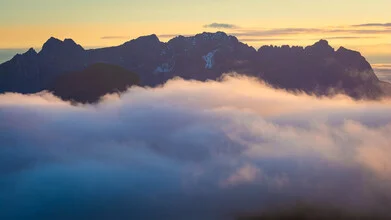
x,y
191,150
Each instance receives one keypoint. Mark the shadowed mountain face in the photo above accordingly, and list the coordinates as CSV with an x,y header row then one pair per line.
x,y
89,85
319,69
315,69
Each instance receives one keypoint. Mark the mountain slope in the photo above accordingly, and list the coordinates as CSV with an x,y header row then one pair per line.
x,y
90,84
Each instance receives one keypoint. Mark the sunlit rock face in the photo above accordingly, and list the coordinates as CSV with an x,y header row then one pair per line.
x,y
317,69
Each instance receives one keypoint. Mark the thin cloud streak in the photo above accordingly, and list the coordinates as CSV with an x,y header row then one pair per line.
x,y
292,39
373,25
275,32
114,37
264,39
298,31
221,26
346,38
173,35
262,33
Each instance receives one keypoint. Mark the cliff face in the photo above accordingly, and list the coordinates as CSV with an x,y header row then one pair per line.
x,y
315,69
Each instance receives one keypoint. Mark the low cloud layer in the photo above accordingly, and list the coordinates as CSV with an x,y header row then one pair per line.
x,y
191,150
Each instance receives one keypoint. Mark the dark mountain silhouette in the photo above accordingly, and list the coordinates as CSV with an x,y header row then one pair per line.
x,y
89,85
317,69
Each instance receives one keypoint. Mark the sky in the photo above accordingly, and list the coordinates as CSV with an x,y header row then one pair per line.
x,y
358,24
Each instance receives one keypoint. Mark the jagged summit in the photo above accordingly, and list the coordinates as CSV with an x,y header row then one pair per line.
x,y
148,39
152,37
205,36
212,36
321,47
52,41
54,45
69,41
51,44
30,52
209,45
322,43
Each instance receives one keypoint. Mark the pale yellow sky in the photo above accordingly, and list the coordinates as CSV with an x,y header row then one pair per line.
x,y
358,24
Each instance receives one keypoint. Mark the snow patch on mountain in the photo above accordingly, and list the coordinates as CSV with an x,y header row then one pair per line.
x,y
209,59
164,68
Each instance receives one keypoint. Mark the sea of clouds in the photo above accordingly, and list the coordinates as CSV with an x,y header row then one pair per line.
x,y
192,150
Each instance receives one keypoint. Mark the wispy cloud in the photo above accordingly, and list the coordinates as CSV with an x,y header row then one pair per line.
x,y
221,26
275,32
348,37
173,35
297,31
289,39
349,32
373,25
372,31
264,39
114,37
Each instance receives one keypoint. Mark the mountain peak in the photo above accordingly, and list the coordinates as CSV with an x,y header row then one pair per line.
x,y
55,45
69,41
51,41
152,37
28,54
31,51
147,39
323,43
212,36
321,47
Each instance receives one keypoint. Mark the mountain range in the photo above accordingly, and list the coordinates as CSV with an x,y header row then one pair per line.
x,y
317,69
